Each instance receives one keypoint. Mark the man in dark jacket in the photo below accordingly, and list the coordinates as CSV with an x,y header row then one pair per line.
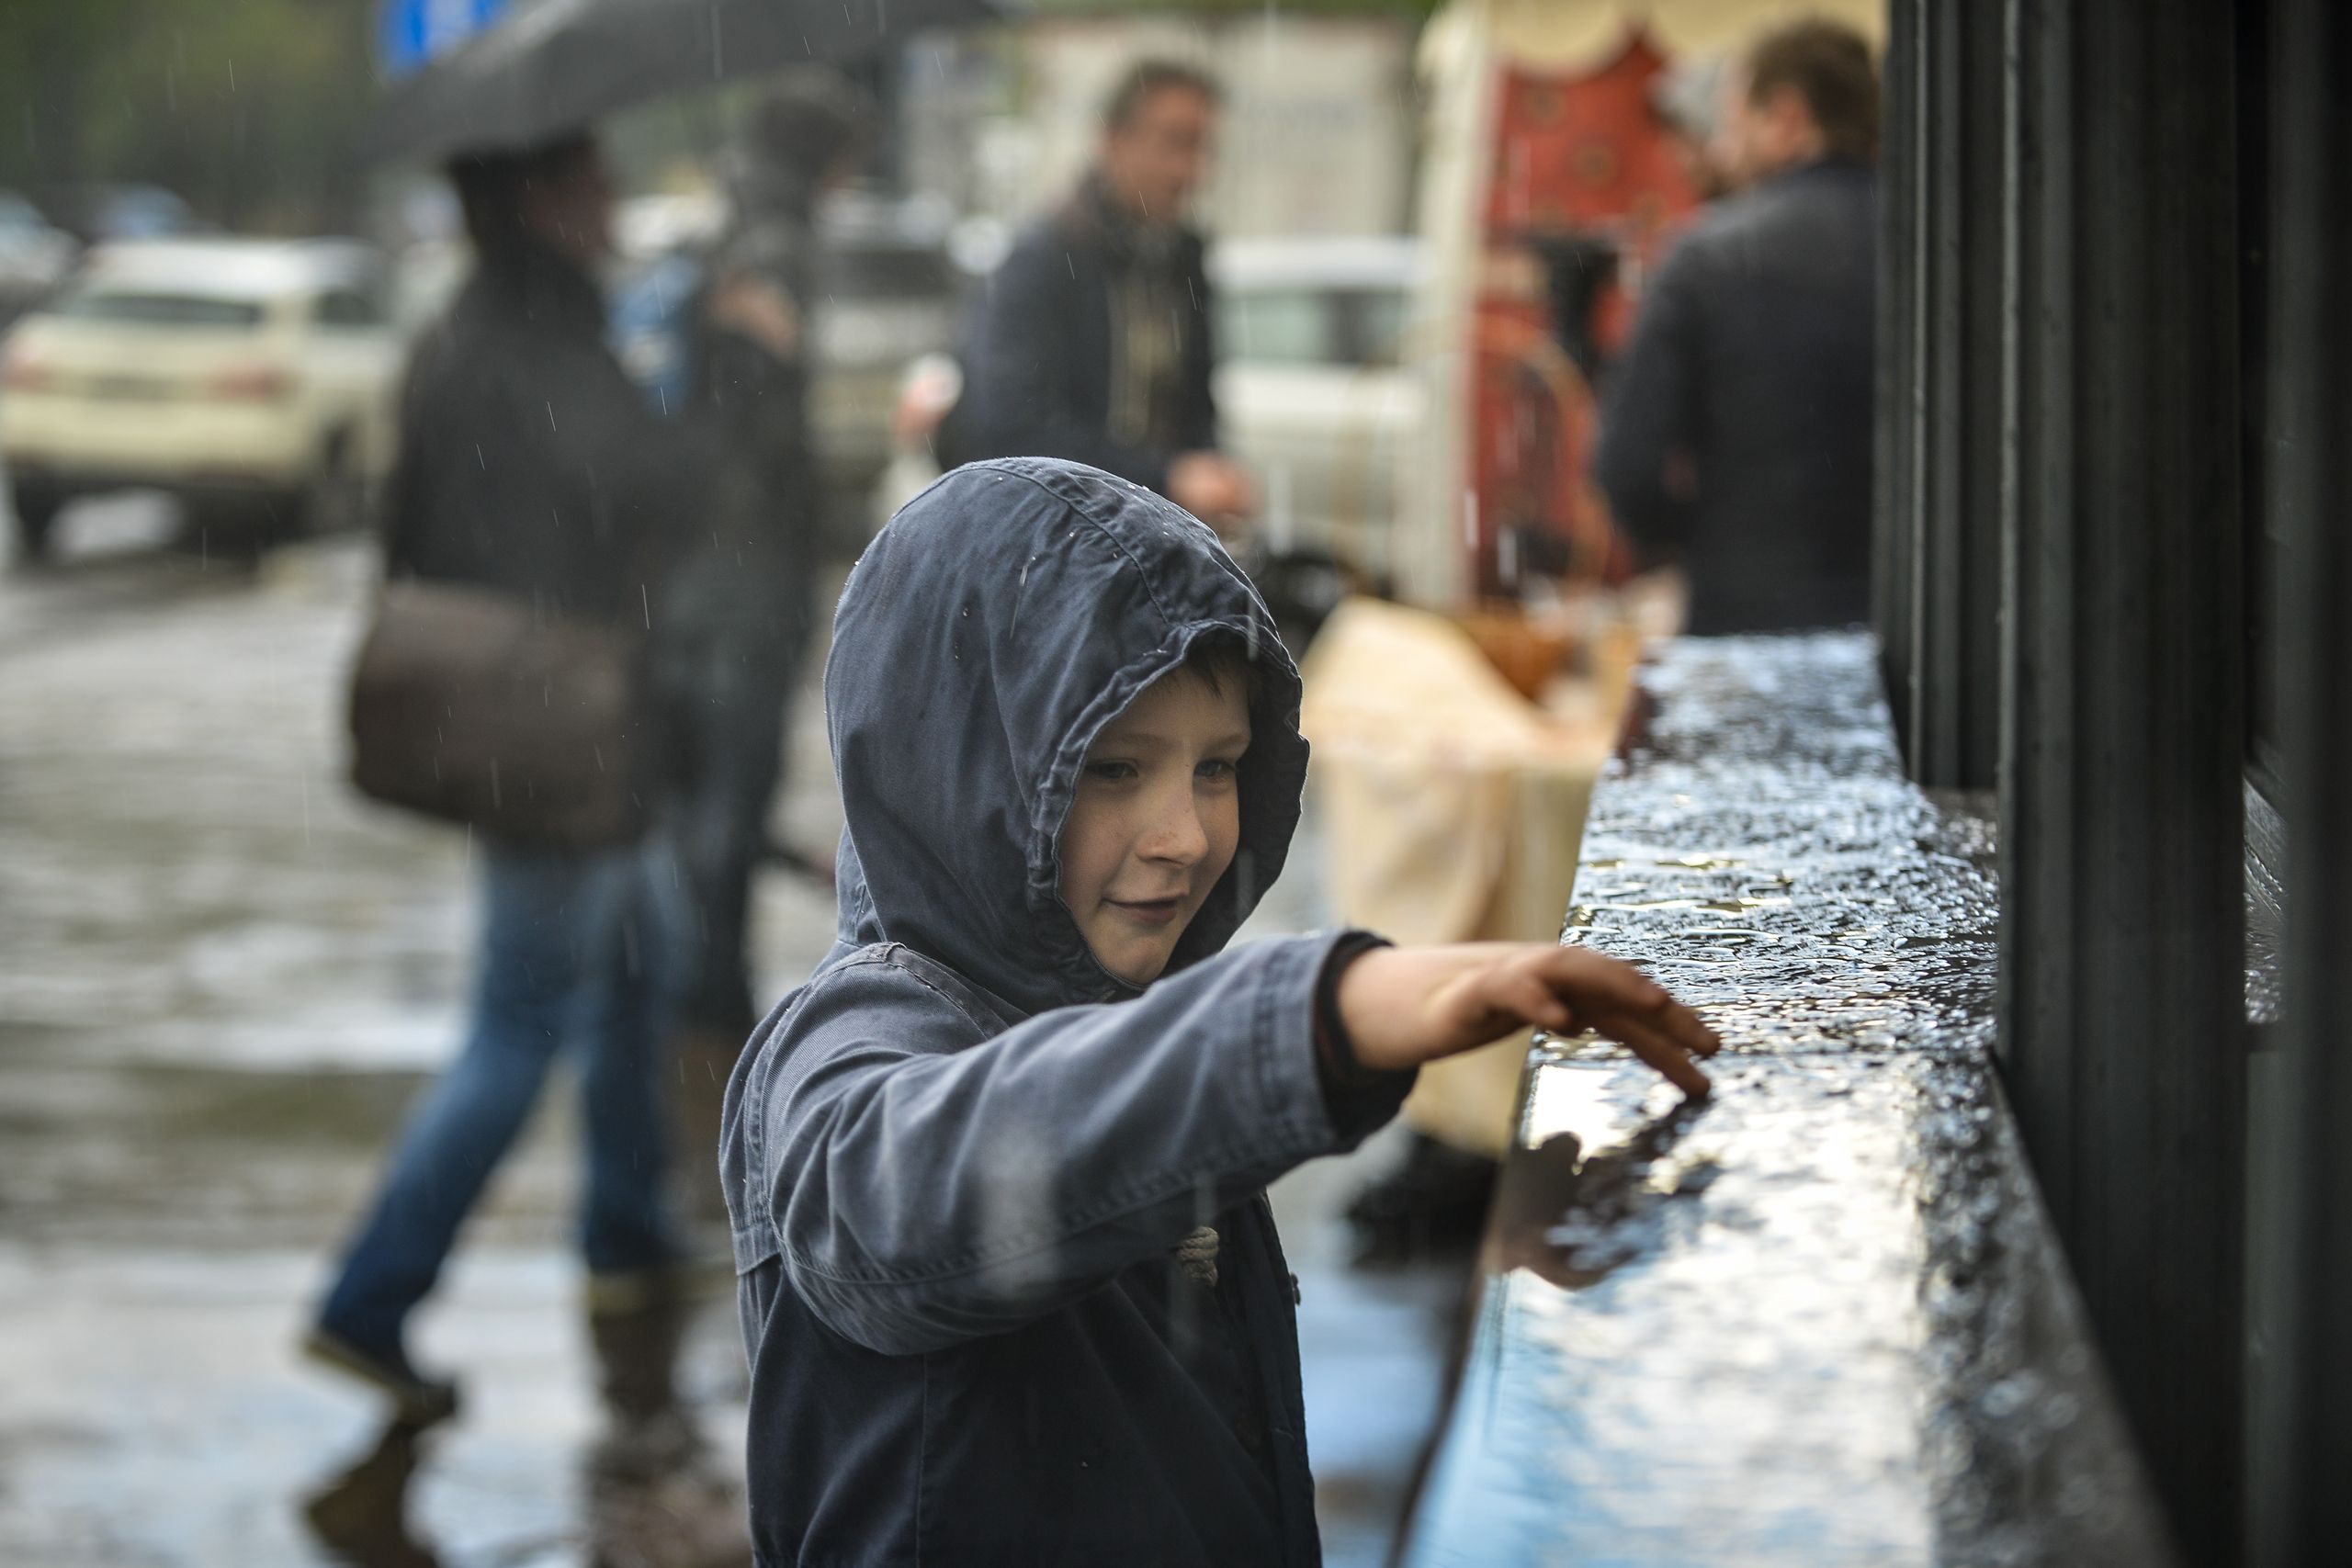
x,y
1737,432
529,466
1094,341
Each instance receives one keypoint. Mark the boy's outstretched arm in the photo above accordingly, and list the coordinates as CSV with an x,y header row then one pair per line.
x,y
1404,1006
925,1195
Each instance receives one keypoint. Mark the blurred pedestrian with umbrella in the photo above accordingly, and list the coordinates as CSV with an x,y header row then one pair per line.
x,y
530,472
538,502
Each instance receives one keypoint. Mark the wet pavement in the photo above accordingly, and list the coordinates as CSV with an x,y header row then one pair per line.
x,y
222,978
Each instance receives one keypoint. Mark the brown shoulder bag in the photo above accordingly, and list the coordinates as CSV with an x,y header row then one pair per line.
x,y
469,707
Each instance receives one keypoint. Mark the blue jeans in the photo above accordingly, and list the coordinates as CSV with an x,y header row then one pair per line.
x,y
574,944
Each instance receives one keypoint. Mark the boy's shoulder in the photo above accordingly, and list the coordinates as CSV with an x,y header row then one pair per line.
x,y
886,993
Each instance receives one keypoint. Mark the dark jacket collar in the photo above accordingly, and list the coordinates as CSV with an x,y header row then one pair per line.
x,y
1829,166
1102,220
523,277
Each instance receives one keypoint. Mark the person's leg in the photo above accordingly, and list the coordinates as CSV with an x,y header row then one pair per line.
x,y
626,1226
722,841
720,826
750,771
637,1301
548,917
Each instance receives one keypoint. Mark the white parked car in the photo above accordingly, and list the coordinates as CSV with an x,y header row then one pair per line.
x,y
35,256
255,378
1310,335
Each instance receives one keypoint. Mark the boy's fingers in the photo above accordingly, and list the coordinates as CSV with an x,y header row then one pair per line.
x,y
1656,1047
1690,1030
1595,980
1526,995
1596,983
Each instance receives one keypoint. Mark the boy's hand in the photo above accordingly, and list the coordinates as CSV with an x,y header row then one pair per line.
x,y
1404,1006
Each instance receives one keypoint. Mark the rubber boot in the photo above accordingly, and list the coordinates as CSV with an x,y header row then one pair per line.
x,y
636,1324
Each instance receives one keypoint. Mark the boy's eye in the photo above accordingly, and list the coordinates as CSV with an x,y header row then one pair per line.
x,y
1218,770
1110,773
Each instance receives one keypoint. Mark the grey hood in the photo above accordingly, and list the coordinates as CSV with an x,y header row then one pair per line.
x,y
986,635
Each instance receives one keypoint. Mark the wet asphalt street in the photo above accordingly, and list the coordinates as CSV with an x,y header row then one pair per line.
x,y
223,977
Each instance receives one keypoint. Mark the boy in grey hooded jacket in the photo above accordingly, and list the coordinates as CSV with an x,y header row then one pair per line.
x,y
1009,1283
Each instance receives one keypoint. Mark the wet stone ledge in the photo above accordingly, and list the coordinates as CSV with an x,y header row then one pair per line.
x,y
1819,1318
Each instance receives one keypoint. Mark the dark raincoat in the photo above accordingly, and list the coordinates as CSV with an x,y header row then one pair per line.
x,y
528,464
1042,348
961,1160
1754,359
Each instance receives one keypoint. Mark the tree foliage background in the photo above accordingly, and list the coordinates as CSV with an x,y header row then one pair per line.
x,y
248,108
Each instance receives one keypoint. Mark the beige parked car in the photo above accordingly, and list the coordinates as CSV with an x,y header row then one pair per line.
x,y
1311,333
254,378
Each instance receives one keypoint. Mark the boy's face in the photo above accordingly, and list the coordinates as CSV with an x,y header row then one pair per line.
x,y
1155,821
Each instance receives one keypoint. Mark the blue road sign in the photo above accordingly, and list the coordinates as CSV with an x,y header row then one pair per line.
x,y
413,31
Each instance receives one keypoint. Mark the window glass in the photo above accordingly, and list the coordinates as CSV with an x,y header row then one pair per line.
x,y
887,272
161,309
348,308
1379,325
1279,326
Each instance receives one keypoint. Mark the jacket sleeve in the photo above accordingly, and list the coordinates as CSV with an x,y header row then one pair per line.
x,y
923,1197
1651,413
1017,384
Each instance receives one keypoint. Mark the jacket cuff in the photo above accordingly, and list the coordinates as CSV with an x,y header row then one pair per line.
x,y
1357,1100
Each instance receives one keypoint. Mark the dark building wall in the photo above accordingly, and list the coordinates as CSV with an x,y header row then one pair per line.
x,y
2112,577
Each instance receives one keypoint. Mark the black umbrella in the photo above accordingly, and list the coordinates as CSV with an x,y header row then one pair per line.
x,y
551,67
